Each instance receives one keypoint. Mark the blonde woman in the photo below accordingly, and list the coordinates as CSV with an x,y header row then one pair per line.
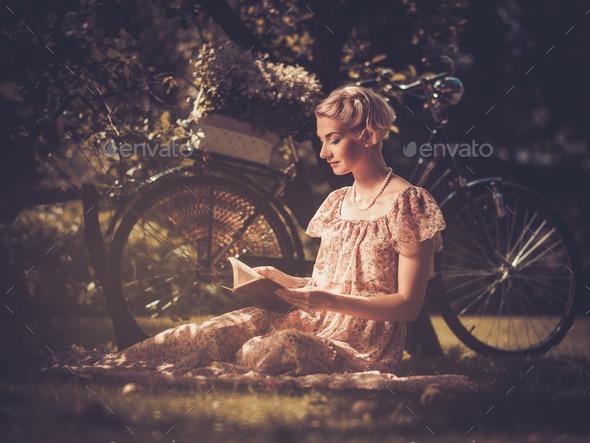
x,y
378,240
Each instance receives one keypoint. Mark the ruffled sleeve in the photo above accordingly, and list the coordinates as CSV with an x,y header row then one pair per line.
x,y
323,215
419,218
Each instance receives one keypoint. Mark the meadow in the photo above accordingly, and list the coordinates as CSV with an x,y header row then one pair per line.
x,y
535,399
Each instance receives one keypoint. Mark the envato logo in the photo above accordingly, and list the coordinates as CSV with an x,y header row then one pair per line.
x,y
169,150
472,149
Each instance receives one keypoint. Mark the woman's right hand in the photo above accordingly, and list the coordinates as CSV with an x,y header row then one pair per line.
x,y
277,275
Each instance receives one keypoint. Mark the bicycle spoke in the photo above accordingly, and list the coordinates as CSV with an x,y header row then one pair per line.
x,y
548,296
179,302
462,273
149,281
512,224
500,317
165,243
539,284
149,307
474,257
523,232
501,242
523,313
472,241
462,285
480,313
523,255
483,292
150,274
176,295
538,315
543,254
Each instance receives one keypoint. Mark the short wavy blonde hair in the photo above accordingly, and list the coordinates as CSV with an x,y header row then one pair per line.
x,y
359,110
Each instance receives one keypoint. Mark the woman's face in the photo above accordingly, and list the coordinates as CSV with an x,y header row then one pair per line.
x,y
340,147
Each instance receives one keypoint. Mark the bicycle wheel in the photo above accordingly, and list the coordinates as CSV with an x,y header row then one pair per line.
x,y
518,298
164,250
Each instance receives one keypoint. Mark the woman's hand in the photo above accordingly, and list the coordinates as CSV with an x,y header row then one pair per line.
x,y
278,276
307,299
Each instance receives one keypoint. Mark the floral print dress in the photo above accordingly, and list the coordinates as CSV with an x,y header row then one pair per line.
x,y
298,348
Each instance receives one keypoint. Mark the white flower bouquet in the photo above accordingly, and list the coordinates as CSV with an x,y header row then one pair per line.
x,y
248,87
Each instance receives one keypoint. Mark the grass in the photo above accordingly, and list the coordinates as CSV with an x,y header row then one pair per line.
x,y
542,398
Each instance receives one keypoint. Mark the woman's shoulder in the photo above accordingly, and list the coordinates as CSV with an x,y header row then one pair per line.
x,y
409,191
401,195
333,198
339,191
326,212
414,197
416,215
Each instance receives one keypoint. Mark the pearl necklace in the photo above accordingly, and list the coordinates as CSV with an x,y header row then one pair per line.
x,y
389,176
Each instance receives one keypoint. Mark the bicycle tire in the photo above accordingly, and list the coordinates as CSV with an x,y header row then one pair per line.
x,y
163,283
462,259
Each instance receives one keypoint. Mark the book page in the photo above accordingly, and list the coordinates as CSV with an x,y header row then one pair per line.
x,y
242,272
259,289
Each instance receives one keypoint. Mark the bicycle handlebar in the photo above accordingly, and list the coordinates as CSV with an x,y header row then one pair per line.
x,y
428,61
388,73
402,87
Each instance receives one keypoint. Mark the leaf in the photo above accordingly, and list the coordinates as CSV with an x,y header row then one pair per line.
x,y
97,55
9,90
290,40
378,58
113,53
165,119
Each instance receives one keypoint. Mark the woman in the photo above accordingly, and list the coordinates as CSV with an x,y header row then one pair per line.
x,y
378,239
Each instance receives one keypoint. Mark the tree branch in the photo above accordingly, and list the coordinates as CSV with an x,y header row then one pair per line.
x,y
330,36
231,24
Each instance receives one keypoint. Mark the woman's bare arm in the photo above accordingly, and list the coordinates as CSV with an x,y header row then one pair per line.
x,y
404,305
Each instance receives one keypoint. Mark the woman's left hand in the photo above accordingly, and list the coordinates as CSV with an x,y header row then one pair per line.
x,y
308,299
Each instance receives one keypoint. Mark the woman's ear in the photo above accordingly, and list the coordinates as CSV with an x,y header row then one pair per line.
x,y
367,138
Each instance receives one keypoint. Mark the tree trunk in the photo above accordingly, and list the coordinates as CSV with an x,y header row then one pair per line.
x,y
127,332
231,24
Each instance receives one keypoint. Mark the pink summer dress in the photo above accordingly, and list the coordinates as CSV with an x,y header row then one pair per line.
x,y
298,348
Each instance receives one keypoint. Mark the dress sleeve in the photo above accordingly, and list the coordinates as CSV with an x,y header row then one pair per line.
x,y
323,215
419,218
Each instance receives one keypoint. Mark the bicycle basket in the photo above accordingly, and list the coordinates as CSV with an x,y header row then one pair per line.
x,y
228,136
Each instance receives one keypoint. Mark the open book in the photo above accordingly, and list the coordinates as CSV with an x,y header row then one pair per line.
x,y
251,284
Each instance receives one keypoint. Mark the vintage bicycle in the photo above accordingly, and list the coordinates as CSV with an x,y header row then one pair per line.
x,y
507,277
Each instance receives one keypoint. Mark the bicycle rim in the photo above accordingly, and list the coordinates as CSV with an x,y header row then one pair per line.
x,y
163,248
518,299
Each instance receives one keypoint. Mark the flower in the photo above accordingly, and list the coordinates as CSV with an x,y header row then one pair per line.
x,y
247,86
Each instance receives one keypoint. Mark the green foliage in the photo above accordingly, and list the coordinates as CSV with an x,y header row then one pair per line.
x,y
437,24
62,60
78,75
292,35
45,255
